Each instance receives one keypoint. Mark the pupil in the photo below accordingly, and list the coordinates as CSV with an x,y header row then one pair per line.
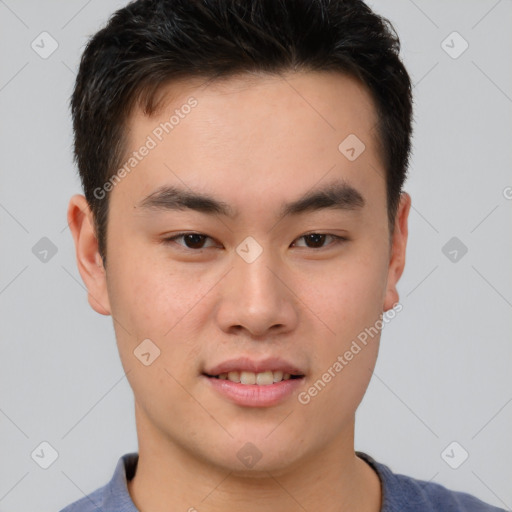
x,y
194,239
317,239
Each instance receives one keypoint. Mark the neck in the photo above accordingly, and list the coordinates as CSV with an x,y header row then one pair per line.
x,y
169,477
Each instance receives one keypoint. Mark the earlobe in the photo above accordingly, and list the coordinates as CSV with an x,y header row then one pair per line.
x,y
398,250
89,262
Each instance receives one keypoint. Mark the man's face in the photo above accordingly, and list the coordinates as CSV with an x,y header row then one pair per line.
x,y
253,289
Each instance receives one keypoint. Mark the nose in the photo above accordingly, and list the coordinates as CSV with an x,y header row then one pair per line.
x,y
256,298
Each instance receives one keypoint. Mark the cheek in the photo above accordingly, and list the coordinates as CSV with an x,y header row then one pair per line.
x,y
345,357
151,300
151,296
349,296
348,300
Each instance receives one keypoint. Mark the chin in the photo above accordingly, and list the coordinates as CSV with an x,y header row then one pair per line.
x,y
273,463
257,456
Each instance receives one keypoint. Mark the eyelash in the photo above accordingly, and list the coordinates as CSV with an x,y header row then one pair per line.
x,y
337,240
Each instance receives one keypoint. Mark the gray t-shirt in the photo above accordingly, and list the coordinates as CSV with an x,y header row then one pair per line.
x,y
400,493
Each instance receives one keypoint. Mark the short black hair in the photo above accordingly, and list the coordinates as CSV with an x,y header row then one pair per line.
x,y
150,43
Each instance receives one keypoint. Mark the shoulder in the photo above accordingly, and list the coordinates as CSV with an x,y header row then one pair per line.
x,y
112,497
429,496
406,494
90,503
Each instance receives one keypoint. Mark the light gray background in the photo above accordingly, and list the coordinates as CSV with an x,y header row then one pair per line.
x,y
444,368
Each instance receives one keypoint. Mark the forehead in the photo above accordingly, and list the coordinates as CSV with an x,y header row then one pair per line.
x,y
257,134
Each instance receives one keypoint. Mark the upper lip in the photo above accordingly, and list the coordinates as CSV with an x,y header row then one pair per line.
x,y
257,366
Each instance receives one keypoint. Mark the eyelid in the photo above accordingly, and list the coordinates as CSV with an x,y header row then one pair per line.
x,y
337,240
172,239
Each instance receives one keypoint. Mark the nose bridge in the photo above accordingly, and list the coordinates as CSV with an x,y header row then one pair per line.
x,y
259,282
254,295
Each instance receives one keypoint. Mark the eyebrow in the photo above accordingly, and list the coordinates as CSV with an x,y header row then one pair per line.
x,y
337,195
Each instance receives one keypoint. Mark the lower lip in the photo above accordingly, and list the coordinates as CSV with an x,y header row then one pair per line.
x,y
254,395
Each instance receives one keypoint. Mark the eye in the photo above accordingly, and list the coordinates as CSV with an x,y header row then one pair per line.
x,y
191,240
316,240
196,241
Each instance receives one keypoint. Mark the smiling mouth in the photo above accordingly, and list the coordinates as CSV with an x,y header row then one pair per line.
x,y
265,378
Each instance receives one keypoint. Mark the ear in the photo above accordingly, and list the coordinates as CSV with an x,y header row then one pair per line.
x,y
89,261
398,246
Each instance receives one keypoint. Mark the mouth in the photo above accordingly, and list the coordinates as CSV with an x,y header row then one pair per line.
x,y
265,378
250,383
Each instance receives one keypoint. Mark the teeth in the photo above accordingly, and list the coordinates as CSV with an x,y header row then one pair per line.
x,y
262,379
265,378
234,376
247,378
278,376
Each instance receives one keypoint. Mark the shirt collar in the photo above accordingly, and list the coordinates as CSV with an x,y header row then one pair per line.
x,y
118,499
